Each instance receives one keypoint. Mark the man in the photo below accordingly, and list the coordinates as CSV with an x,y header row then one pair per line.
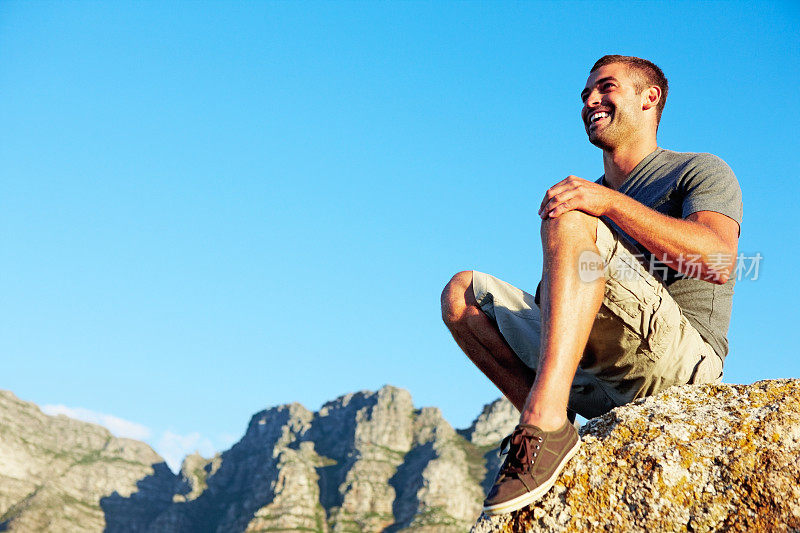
x,y
636,287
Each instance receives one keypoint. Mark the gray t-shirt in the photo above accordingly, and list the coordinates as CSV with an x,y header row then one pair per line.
x,y
679,184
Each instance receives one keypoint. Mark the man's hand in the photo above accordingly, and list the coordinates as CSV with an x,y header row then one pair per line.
x,y
575,193
711,237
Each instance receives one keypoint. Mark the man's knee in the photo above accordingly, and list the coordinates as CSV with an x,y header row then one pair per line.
x,y
570,225
456,297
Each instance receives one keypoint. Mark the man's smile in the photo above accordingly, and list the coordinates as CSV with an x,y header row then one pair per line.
x,y
596,116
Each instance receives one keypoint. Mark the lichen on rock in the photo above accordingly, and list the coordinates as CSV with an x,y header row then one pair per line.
x,y
693,458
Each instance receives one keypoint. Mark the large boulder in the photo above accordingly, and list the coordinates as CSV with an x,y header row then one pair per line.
x,y
694,458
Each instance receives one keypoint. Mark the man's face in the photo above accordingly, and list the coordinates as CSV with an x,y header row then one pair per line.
x,y
612,111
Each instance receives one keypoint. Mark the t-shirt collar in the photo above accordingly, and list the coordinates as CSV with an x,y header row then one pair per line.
x,y
643,163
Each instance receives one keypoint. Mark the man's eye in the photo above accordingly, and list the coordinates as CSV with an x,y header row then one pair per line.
x,y
607,86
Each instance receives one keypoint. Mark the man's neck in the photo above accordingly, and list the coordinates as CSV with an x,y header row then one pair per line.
x,y
620,162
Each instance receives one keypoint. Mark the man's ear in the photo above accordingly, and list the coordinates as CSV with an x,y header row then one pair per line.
x,y
650,97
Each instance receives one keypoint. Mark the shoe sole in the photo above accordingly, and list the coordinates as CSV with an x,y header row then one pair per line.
x,y
529,497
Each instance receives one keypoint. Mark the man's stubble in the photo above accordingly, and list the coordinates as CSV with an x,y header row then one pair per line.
x,y
617,132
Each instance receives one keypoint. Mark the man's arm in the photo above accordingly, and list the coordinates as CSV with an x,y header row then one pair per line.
x,y
702,245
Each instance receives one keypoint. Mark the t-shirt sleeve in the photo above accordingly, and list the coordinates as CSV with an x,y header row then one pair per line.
x,y
710,185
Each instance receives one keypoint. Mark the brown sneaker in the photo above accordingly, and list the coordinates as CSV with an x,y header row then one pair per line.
x,y
533,461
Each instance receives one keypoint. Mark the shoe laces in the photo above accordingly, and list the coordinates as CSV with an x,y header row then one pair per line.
x,y
524,454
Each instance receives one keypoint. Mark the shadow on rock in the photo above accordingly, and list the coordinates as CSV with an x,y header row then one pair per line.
x,y
137,512
406,482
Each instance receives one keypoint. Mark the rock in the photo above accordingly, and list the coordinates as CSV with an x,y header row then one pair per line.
x,y
439,487
693,458
497,420
55,473
295,505
389,464
367,461
253,481
193,475
365,436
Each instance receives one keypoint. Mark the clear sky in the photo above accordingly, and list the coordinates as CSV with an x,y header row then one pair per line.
x,y
207,209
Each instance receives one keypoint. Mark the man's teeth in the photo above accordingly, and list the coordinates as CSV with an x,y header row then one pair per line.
x,y
598,116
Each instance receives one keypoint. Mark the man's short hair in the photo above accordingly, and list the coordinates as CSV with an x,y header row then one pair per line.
x,y
644,74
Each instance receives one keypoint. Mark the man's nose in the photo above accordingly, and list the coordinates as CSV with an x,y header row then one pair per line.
x,y
593,99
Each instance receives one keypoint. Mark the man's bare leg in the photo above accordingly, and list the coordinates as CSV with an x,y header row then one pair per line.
x,y
568,310
569,307
482,341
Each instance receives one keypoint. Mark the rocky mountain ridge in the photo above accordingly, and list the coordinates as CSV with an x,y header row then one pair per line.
x,y
693,458
367,461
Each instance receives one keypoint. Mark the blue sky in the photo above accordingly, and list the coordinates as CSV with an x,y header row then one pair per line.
x,y
207,209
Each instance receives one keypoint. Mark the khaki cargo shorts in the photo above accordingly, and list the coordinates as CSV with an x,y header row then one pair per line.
x,y
640,344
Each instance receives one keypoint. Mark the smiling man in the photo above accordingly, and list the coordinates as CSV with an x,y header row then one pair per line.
x,y
636,287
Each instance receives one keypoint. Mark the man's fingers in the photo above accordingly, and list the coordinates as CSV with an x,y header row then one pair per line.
x,y
554,190
549,206
555,194
560,209
558,199
548,196
551,196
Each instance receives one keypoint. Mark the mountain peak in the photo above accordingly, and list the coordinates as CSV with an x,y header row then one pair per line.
x,y
368,458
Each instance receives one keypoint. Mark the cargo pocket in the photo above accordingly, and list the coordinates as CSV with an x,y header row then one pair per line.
x,y
665,316
641,307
